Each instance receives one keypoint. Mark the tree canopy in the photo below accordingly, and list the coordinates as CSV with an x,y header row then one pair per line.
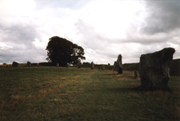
x,y
62,51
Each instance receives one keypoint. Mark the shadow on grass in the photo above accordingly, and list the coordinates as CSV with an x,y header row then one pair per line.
x,y
109,74
118,90
138,89
116,74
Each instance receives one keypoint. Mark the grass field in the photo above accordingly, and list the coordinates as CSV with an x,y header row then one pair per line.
x,y
71,94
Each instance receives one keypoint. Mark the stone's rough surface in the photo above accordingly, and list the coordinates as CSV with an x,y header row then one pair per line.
x,y
15,64
154,68
92,65
28,64
118,64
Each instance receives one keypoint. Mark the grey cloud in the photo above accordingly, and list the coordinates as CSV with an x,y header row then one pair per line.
x,y
19,55
87,32
164,16
92,38
18,34
105,48
19,37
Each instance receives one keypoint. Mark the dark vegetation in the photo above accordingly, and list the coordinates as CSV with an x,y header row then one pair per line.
x,y
62,51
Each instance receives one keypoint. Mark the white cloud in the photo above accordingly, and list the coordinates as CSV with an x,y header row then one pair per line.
x,y
38,43
110,18
4,46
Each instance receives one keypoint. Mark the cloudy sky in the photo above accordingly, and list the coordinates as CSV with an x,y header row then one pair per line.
x,y
104,28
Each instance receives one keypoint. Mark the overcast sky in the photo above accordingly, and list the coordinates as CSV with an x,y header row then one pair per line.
x,y
104,28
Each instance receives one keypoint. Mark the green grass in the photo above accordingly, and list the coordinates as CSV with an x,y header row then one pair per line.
x,y
70,94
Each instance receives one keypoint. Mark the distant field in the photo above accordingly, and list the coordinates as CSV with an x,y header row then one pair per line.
x,y
71,94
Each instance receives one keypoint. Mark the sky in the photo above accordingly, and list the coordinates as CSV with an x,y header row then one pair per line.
x,y
104,28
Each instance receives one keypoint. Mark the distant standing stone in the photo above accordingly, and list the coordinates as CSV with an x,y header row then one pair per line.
x,y
78,64
103,67
135,74
37,65
57,64
118,64
154,68
92,65
15,64
28,64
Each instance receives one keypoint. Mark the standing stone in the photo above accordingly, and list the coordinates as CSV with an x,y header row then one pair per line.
x,y
28,64
118,65
37,65
115,66
135,74
78,63
57,64
154,68
103,67
15,64
92,65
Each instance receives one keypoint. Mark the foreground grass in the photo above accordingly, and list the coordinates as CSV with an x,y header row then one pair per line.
x,y
82,94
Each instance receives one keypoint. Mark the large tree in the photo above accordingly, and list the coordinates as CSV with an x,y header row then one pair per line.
x,y
62,51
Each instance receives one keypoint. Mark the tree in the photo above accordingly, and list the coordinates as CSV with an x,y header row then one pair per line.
x,y
62,51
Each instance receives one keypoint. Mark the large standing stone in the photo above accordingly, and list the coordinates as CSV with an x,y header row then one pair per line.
x,y
118,64
154,68
92,65
15,64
